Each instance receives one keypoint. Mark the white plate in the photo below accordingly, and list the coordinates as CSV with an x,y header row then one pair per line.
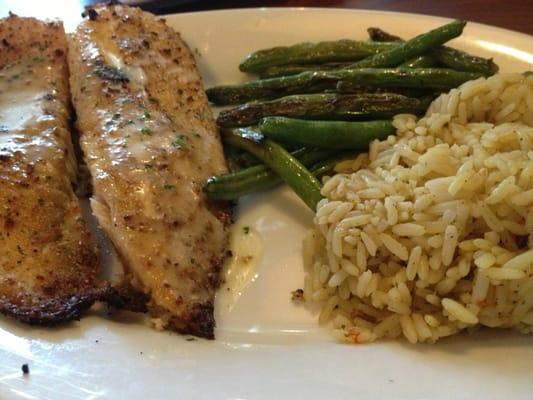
x,y
266,346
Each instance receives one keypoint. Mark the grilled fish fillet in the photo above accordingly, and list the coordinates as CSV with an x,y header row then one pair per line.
x,y
150,142
48,267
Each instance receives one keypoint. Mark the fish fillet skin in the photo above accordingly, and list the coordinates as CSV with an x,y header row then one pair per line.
x,y
150,142
48,266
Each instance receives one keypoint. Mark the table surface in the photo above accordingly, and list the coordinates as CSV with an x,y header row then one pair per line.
x,y
511,14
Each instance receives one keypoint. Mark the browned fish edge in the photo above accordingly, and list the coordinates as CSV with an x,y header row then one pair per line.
x,y
53,312
200,317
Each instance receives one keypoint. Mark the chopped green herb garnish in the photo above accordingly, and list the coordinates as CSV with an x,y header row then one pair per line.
x,y
146,131
146,115
246,230
169,187
180,141
200,115
147,165
116,116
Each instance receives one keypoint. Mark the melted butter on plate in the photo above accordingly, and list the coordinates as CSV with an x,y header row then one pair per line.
x,y
240,269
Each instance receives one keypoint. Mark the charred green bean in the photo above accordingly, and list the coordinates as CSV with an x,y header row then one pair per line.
x,y
304,184
326,134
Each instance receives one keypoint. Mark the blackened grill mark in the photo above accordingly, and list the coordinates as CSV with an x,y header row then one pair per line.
x,y
91,13
111,74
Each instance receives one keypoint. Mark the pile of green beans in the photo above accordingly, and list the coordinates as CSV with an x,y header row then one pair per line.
x,y
315,104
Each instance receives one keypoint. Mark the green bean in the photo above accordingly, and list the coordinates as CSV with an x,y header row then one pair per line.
x,y
413,47
322,106
416,78
423,61
422,78
242,159
304,184
346,87
241,183
311,53
306,82
453,58
461,61
325,134
449,57
259,177
306,155
293,69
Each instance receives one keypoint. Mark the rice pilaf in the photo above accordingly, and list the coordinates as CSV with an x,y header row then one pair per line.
x,y
431,231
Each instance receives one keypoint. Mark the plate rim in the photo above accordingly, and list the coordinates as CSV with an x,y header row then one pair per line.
x,y
525,36
219,348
